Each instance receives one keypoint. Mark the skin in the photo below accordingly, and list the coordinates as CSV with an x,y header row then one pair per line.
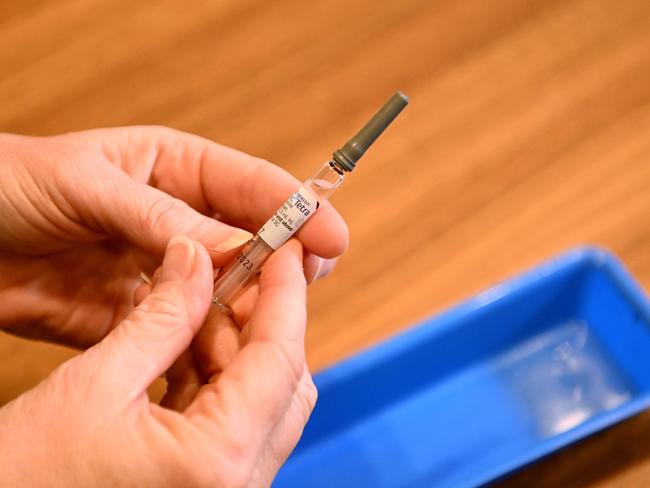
x,y
82,215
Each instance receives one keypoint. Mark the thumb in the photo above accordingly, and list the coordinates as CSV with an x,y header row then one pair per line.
x,y
152,336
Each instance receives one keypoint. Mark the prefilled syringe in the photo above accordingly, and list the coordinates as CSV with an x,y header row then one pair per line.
x,y
301,205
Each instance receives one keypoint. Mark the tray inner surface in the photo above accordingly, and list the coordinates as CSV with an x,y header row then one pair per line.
x,y
505,379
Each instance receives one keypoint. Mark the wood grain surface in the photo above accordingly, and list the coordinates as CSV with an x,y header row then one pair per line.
x,y
527,133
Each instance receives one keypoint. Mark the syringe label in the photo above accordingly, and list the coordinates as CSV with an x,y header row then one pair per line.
x,y
289,217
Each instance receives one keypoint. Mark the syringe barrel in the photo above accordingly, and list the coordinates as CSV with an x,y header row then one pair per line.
x,y
302,205
276,231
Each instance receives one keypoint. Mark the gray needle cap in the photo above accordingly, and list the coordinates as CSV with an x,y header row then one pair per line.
x,y
352,151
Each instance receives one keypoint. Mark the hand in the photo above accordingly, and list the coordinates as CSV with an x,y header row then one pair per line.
x,y
84,213
90,423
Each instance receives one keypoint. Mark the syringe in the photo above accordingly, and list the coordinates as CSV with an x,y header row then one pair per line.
x,y
301,205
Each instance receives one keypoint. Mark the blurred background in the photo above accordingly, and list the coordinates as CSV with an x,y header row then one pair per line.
x,y
527,133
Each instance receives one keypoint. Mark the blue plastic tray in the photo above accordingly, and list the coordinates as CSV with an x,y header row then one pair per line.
x,y
491,385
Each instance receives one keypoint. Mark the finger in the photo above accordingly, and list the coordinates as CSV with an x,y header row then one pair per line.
x,y
183,382
216,344
311,265
280,312
252,395
149,340
216,179
244,304
219,340
141,293
156,275
114,203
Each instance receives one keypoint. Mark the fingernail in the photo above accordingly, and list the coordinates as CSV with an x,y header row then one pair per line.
x,y
326,267
236,239
145,278
179,259
320,265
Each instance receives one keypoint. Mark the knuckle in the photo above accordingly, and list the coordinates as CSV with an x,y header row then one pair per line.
x,y
73,381
165,215
292,354
162,305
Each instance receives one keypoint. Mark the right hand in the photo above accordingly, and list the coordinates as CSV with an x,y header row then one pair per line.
x,y
90,423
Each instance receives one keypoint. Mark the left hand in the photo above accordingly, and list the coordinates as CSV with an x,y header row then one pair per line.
x,y
83,213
